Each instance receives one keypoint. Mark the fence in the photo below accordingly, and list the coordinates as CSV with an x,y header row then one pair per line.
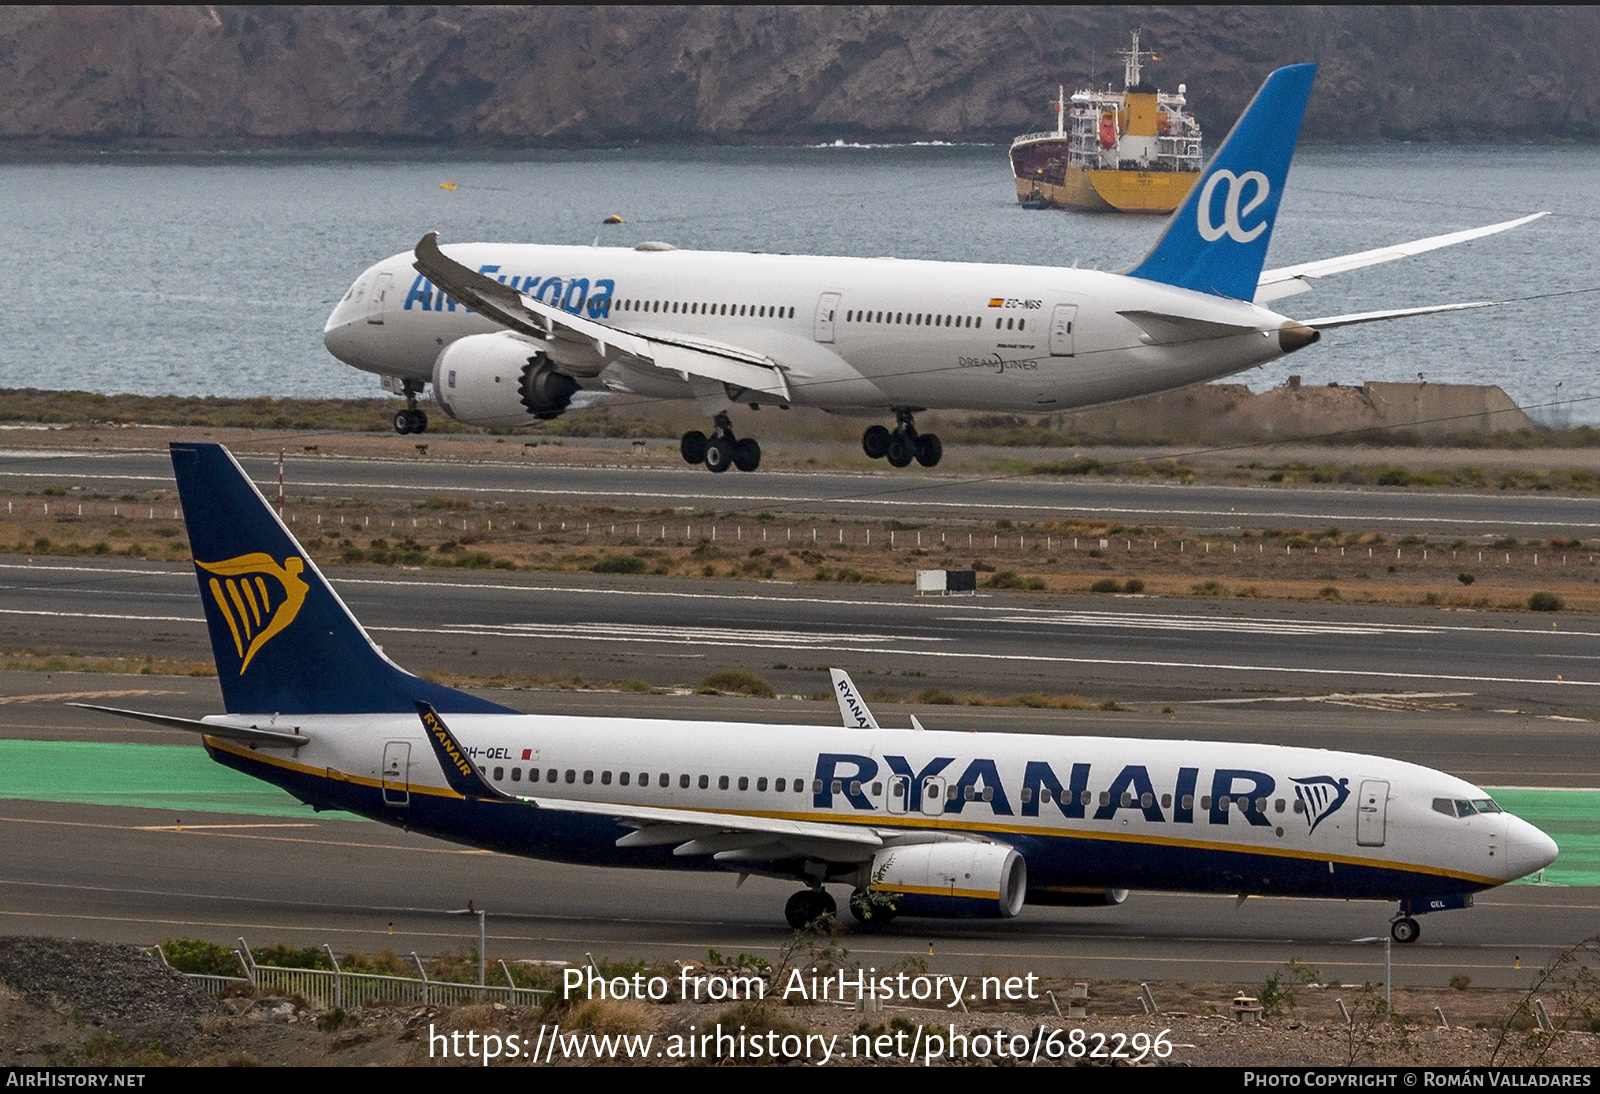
x,y
337,988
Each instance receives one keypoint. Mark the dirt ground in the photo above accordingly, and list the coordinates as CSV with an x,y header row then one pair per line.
x,y
83,1003
1316,564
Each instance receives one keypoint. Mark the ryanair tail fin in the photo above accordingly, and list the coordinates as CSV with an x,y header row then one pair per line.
x,y
283,640
1217,240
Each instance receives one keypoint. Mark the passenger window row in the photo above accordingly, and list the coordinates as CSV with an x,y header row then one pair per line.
x,y
925,319
682,307
1147,800
664,780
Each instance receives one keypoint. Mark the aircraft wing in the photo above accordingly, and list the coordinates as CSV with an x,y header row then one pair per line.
x,y
250,735
728,836
685,355
1289,280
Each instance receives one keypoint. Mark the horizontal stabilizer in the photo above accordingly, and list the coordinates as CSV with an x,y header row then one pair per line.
x,y
1162,328
1290,280
1332,322
251,735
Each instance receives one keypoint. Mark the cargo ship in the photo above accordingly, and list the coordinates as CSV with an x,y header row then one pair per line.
x,y
1131,151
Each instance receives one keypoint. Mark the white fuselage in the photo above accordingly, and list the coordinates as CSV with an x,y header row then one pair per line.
x,y
849,333
1084,811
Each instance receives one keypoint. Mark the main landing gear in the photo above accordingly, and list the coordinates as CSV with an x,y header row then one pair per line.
x,y
720,450
411,420
807,906
903,445
1404,930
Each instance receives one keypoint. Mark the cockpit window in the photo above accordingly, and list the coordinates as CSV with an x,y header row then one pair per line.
x,y
1458,807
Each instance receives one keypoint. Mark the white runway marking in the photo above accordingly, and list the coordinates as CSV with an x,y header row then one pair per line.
x,y
720,636
610,634
1231,515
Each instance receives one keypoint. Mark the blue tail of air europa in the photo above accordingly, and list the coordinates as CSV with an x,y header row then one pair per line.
x,y
1217,241
283,640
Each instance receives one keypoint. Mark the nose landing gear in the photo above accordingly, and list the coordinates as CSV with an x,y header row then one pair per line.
x,y
903,445
411,420
722,449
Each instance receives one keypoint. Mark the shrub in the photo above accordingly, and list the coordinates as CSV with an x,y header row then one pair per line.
x,y
1466,578
1010,579
1133,585
620,564
1329,592
1106,585
1545,602
197,955
736,682
1210,588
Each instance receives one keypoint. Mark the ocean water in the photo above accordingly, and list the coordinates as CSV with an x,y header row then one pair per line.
x,y
214,274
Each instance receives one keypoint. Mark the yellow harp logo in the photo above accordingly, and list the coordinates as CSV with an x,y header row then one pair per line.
x,y
255,607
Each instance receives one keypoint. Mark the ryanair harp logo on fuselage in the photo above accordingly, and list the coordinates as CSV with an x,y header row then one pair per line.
x,y
257,597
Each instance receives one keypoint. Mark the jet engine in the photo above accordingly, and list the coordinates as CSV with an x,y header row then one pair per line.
x,y
952,880
500,380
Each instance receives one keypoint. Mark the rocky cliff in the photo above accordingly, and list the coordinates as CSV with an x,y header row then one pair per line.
x,y
219,77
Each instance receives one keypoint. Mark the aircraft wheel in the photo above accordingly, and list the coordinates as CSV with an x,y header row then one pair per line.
x,y
806,907
718,454
929,450
402,422
693,447
747,454
419,421
1404,930
875,442
902,449
870,913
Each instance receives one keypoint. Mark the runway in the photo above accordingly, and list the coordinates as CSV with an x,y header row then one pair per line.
x,y
674,632
880,496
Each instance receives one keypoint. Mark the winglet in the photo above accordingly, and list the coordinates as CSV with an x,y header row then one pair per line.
x,y
852,708
459,771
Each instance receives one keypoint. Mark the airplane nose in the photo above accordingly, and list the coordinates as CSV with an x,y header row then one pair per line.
x,y
341,340
1528,850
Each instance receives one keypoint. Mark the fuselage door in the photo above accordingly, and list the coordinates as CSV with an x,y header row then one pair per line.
x,y
898,801
1061,322
396,773
933,796
827,309
380,296
1372,813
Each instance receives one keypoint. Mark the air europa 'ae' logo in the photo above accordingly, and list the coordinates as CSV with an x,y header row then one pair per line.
x,y
1322,795
257,597
1232,211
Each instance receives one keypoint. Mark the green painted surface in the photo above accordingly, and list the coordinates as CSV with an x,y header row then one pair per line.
x,y
173,778
1572,819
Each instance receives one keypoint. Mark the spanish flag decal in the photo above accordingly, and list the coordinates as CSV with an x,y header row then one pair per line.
x,y
997,301
257,597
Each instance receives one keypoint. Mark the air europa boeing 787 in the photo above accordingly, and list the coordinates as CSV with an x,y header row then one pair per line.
x,y
909,821
510,333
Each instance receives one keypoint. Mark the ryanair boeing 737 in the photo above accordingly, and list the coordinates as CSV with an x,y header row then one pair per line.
x,y
509,334
908,821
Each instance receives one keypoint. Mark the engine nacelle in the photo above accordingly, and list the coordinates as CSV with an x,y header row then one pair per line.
x,y
500,381
952,880
1076,896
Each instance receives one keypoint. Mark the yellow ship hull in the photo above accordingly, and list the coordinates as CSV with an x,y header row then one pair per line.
x,y
1112,191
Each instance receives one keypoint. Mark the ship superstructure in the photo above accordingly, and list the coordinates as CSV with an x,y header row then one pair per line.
x,y
1134,150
